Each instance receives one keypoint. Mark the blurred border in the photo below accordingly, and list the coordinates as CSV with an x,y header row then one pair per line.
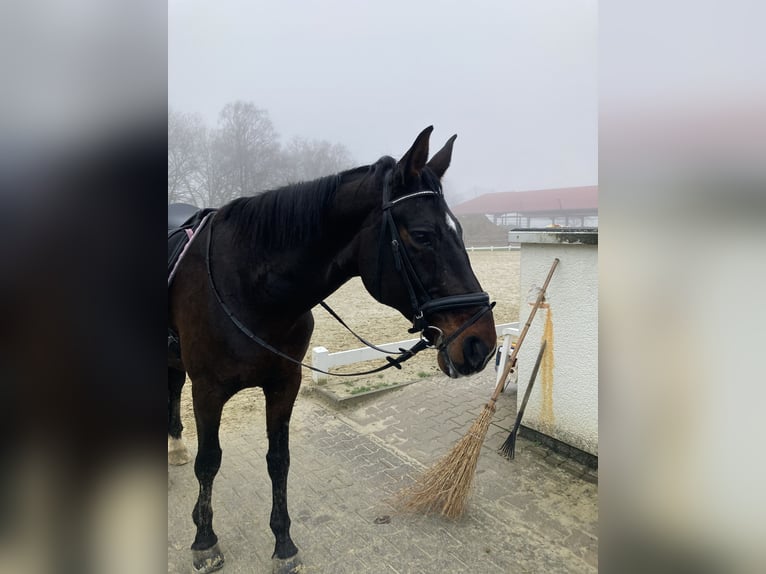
x,y
682,180
82,171
82,151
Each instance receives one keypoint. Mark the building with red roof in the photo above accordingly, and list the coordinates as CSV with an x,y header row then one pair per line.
x,y
565,206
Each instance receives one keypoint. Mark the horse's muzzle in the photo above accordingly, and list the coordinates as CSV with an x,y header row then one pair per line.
x,y
475,354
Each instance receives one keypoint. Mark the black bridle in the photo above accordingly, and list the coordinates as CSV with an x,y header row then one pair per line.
x,y
422,303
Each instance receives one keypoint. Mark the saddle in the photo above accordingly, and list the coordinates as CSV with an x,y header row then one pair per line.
x,y
184,221
179,214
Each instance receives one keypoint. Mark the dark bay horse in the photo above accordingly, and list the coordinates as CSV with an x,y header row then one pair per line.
x,y
261,263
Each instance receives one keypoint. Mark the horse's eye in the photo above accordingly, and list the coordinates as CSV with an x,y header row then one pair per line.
x,y
421,237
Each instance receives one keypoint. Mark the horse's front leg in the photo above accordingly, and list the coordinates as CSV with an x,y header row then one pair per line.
x,y
279,406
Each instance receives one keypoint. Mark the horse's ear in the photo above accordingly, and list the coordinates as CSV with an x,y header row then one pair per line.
x,y
414,160
442,158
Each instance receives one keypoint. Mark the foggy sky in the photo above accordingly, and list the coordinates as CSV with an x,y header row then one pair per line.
x,y
516,80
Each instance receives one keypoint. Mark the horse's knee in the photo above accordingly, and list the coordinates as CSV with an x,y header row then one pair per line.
x,y
207,463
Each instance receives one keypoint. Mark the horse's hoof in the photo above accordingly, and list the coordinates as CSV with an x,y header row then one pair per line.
x,y
206,561
292,565
178,454
179,458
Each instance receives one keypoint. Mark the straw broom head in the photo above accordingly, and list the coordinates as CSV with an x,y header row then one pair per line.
x,y
445,487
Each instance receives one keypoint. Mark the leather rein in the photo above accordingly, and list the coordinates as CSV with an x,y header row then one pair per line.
x,y
422,303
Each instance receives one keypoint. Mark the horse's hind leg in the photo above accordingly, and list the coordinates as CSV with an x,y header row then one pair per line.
x,y
177,452
279,406
208,404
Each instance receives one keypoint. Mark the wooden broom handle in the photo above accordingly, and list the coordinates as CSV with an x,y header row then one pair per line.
x,y
512,358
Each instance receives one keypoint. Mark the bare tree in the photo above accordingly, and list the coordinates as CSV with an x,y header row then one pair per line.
x,y
310,159
211,185
241,156
247,146
186,134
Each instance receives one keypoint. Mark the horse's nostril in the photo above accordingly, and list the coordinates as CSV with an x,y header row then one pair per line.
x,y
475,353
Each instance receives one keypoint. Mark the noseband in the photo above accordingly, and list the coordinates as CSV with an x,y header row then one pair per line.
x,y
422,303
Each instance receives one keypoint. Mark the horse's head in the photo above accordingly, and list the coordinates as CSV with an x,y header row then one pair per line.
x,y
412,258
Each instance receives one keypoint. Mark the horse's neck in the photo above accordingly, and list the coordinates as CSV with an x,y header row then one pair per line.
x,y
350,212
304,275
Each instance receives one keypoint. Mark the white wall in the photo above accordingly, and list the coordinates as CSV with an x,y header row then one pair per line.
x,y
573,296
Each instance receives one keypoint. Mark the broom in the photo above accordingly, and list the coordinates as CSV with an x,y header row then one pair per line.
x,y
509,446
446,485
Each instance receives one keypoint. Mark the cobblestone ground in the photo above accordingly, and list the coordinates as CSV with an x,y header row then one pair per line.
x,y
537,513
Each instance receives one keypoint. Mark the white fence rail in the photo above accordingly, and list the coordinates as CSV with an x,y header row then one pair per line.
x,y
495,248
321,358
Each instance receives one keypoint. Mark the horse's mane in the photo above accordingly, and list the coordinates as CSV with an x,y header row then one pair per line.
x,y
287,216
292,215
